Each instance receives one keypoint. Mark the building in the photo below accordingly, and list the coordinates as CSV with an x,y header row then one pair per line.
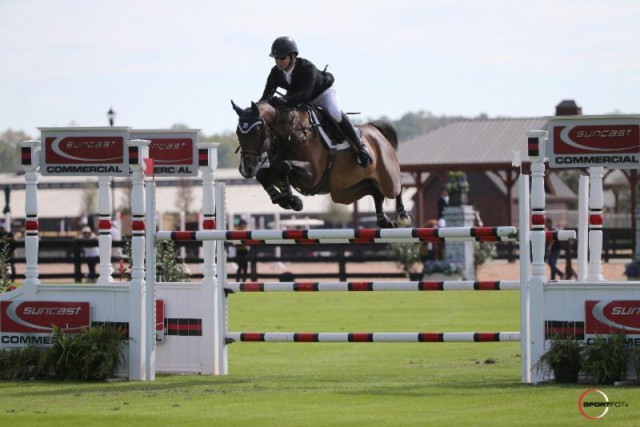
x,y
489,151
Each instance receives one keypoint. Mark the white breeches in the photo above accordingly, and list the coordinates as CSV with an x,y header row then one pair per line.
x,y
328,100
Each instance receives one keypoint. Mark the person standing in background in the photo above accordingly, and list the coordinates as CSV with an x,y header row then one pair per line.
x,y
242,256
443,202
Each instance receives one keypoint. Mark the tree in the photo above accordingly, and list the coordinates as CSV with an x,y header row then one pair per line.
x,y
227,157
10,149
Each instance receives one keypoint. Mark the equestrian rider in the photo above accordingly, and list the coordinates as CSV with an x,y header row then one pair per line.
x,y
306,84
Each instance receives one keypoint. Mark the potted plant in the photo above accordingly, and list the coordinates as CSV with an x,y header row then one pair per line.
x,y
407,256
632,270
458,188
564,359
607,359
441,270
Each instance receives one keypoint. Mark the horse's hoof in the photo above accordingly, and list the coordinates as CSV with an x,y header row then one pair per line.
x,y
404,219
384,223
283,202
295,203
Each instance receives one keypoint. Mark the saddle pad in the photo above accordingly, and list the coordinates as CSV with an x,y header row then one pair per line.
x,y
344,145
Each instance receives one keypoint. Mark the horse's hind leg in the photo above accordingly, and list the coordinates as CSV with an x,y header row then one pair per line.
x,y
381,219
403,218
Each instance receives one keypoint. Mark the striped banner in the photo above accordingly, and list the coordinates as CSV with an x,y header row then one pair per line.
x,y
453,285
346,337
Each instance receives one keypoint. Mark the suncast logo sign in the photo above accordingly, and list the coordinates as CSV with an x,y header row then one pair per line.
x,y
85,151
607,143
606,317
174,153
24,323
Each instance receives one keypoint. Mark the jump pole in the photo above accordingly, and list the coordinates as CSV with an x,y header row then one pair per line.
x,y
524,210
150,297
426,286
583,226
221,359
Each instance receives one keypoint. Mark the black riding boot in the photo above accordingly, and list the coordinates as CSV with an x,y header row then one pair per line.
x,y
364,158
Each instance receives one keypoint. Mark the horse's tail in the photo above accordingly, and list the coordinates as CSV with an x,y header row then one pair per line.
x,y
387,130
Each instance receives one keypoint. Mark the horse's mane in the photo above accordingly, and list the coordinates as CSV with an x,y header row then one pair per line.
x,y
386,129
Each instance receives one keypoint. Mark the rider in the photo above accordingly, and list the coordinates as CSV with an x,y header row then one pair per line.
x,y
306,84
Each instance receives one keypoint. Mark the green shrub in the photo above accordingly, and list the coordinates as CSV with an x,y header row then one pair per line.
x,y
6,283
563,359
19,363
92,354
606,360
483,252
169,266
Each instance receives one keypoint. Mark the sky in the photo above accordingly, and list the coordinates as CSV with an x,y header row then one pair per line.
x,y
158,63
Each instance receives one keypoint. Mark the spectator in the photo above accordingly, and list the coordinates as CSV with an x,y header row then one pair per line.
x,y
443,202
116,236
242,256
552,253
90,252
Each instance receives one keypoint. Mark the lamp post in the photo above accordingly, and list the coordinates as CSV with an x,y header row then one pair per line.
x,y
111,115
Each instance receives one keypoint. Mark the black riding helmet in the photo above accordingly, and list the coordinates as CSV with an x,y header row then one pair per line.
x,y
283,46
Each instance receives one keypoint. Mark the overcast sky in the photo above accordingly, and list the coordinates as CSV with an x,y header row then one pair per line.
x,y
160,62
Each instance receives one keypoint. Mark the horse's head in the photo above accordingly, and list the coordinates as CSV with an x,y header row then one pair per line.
x,y
253,136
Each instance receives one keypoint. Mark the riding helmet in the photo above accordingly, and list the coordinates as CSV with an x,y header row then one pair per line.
x,y
283,46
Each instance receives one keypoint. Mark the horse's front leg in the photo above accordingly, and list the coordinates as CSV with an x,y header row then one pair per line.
x,y
402,216
284,170
266,178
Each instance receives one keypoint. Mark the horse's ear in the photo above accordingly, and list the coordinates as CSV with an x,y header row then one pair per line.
x,y
239,110
255,109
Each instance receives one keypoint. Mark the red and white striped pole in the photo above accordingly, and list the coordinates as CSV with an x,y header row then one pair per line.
x,y
427,286
332,236
366,337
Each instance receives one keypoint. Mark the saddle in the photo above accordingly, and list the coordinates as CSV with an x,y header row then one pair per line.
x,y
329,131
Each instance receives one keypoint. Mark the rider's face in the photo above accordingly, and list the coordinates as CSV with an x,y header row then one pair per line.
x,y
283,62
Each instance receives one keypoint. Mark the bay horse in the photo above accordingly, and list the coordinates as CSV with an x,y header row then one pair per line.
x,y
292,144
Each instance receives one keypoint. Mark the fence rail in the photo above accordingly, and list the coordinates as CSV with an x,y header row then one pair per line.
x,y
617,243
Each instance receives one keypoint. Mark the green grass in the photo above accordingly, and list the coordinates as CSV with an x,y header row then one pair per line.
x,y
295,384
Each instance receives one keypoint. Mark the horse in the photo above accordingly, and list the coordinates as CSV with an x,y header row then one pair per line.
x,y
292,145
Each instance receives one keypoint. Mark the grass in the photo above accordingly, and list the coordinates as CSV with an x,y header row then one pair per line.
x,y
371,384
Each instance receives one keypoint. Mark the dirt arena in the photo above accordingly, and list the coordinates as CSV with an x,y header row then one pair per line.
x,y
494,270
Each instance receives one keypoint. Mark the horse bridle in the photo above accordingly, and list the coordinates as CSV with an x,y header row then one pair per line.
x,y
245,126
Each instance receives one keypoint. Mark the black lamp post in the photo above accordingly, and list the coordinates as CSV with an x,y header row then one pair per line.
x,y
112,116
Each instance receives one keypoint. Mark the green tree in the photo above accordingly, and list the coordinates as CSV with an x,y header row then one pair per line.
x,y
227,156
9,149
